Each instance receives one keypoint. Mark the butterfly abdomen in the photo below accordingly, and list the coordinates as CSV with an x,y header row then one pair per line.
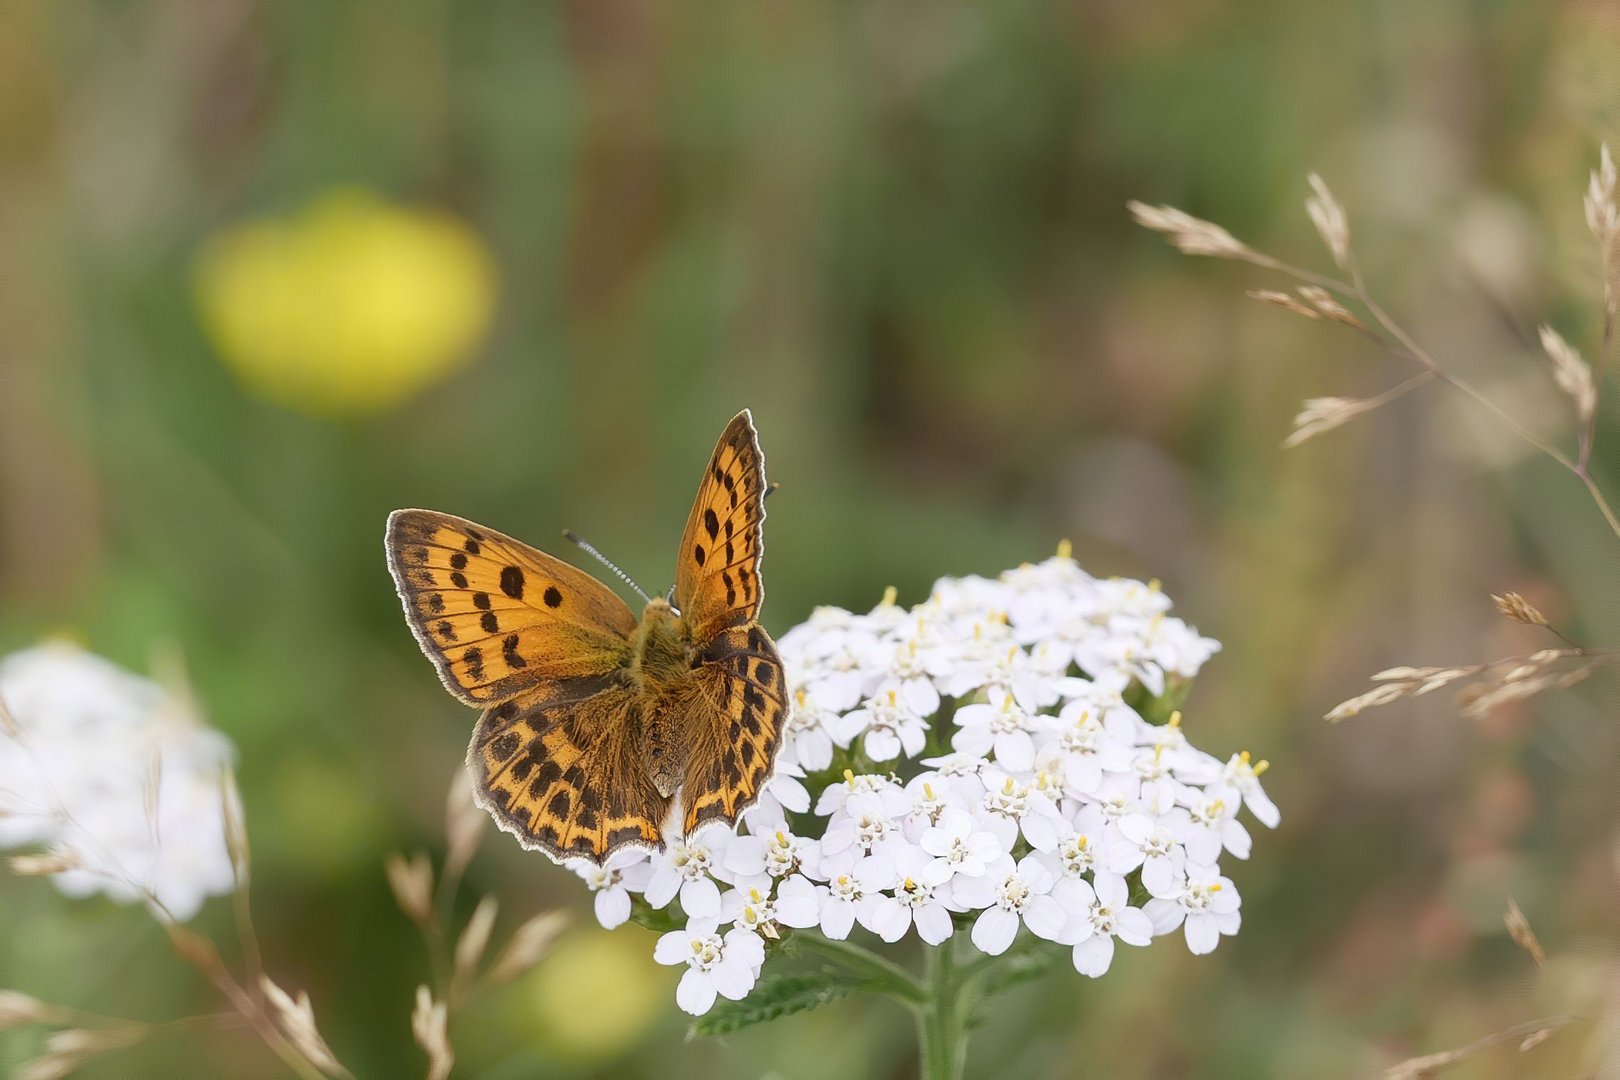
x,y
661,671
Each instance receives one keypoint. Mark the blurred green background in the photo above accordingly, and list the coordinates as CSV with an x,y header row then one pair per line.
x,y
897,232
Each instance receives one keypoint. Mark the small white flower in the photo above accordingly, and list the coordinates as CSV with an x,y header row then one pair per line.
x,y
1155,846
754,908
685,867
1010,895
778,854
1001,725
1009,807
909,678
727,966
959,842
961,775
118,774
784,793
889,724
1244,776
1105,915
1084,850
1205,905
877,791
613,882
849,839
930,798
1084,750
1212,824
806,739
853,894
915,879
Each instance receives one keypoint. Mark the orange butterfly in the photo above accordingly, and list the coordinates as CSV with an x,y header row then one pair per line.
x,y
594,721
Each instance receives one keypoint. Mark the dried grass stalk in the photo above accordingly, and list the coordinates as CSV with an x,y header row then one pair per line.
x,y
1286,301
1571,373
430,1024
1519,609
50,862
67,1050
1323,414
412,882
473,941
1194,236
1330,220
296,1019
18,1009
528,947
464,825
1532,1033
1518,928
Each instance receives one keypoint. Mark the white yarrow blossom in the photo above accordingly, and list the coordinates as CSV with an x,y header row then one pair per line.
x,y
613,882
1204,904
1009,895
725,965
1004,755
118,777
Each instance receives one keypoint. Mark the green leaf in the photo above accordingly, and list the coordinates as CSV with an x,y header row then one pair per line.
x,y
1020,967
774,996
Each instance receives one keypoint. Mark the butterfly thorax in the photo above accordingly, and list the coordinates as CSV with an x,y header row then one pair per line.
x,y
660,659
659,650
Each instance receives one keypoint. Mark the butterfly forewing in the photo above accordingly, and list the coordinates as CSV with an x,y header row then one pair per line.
x,y
559,768
736,727
717,582
496,616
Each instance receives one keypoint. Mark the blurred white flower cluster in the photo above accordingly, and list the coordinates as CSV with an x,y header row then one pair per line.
x,y
976,768
115,778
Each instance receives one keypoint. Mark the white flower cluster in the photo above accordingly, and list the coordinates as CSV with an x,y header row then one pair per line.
x,y
114,777
1033,795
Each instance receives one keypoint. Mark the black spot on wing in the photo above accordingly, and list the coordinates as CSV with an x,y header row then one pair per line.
x,y
553,598
512,582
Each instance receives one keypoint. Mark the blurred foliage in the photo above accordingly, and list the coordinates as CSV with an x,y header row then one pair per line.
x,y
897,233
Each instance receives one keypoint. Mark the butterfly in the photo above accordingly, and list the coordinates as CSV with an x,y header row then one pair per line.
x,y
595,723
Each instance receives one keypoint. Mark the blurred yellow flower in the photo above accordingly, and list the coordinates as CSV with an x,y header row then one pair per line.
x,y
352,306
598,993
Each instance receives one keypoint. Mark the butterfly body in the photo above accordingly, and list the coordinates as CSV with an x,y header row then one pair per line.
x,y
597,723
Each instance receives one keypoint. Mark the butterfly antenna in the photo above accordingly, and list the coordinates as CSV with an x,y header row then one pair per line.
x,y
770,489
605,561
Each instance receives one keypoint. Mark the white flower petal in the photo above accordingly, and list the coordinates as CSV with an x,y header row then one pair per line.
x,y
674,947
696,993
1094,955
994,931
612,907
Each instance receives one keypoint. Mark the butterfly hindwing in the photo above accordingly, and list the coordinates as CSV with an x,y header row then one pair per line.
x,y
558,769
717,581
735,725
496,616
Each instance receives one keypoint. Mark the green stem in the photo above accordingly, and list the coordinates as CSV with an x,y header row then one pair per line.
x,y
941,1027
